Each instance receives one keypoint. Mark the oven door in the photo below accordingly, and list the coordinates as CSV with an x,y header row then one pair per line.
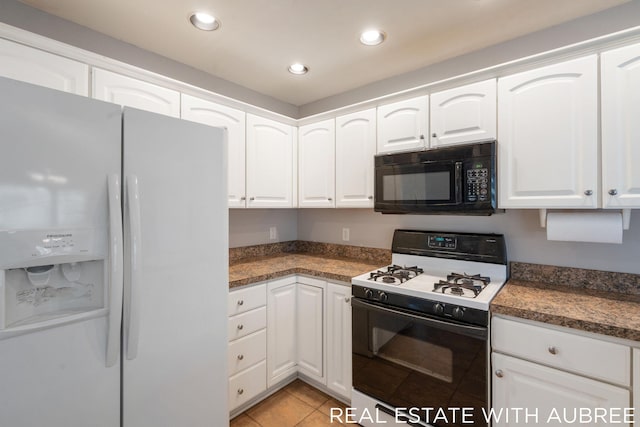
x,y
418,187
408,360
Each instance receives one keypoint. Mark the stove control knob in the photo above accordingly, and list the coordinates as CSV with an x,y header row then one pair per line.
x,y
438,308
368,293
458,313
383,297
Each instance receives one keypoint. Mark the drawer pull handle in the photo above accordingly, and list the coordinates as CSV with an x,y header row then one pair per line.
x,y
499,373
240,357
553,350
240,390
347,299
240,327
240,302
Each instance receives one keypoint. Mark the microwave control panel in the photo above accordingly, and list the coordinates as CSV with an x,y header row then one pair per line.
x,y
477,185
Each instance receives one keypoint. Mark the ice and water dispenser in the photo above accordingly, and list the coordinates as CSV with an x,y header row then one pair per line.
x,y
50,276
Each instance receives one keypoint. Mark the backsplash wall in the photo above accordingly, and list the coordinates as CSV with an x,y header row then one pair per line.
x,y
526,240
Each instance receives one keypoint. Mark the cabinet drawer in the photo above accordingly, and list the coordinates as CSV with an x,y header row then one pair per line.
x,y
575,353
247,323
247,385
247,351
246,299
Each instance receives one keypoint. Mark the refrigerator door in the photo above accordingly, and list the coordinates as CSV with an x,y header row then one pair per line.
x,y
176,272
59,287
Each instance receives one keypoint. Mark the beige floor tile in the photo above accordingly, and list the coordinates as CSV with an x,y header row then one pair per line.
x,y
307,394
243,421
333,403
280,410
318,419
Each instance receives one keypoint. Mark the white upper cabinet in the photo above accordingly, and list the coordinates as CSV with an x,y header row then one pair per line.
x,y
209,113
464,114
548,136
403,125
620,88
40,68
355,148
316,165
130,92
270,163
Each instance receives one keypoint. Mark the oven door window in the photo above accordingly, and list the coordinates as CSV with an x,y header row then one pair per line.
x,y
407,361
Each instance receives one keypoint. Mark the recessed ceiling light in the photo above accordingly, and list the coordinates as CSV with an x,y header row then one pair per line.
x,y
372,37
204,21
298,68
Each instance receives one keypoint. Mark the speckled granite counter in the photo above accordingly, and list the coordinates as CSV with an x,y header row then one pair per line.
x,y
594,301
271,267
251,264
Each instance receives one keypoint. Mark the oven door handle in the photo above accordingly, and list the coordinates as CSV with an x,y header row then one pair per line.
x,y
457,328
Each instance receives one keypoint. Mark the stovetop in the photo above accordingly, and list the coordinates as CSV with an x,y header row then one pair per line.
x,y
466,270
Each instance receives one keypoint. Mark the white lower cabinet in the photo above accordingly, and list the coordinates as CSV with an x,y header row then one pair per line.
x,y
310,334
636,380
281,329
338,352
555,375
247,344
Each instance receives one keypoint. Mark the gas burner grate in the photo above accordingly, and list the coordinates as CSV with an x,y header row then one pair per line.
x,y
456,283
395,273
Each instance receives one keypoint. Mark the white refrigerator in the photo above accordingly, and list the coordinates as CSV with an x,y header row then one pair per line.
x,y
113,265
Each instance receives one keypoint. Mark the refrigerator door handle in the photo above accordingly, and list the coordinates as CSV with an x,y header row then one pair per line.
x,y
132,294
115,269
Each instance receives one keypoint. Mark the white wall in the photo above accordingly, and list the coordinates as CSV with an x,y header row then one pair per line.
x,y
251,226
526,240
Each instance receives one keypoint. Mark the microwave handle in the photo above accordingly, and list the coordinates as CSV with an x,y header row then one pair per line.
x,y
458,182
468,330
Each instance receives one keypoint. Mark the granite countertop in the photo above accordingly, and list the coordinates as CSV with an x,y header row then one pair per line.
x,y
271,267
584,305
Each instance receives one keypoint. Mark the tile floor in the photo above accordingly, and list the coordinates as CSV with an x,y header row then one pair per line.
x,y
296,405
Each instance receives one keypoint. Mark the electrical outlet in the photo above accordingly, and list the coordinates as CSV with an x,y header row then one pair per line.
x,y
273,233
345,234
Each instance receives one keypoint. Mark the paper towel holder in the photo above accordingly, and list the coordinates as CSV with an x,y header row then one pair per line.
x,y
626,218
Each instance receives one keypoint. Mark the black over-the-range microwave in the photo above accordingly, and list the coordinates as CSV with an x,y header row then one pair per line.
x,y
459,179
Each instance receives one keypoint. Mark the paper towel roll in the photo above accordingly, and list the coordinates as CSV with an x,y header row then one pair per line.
x,y
600,227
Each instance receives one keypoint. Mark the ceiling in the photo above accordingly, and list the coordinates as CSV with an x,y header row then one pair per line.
x,y
259,39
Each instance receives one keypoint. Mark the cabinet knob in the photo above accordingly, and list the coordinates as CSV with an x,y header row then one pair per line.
x,y
240,327
251,199
240,390
422,137
240,302
347,299
329,199
588,192
240,356
553,350
499,373
370,197
435,135
613,192
243,198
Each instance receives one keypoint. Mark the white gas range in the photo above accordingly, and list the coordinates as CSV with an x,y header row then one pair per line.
x,y
420,326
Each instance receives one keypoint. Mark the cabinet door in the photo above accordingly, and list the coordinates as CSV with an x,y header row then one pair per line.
x,y
464,114
209,113
355,148
269,163
541,390
548,137
339,339
310,329
281,330
40,68
130,92
316,165
621,128
403,125
636,380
